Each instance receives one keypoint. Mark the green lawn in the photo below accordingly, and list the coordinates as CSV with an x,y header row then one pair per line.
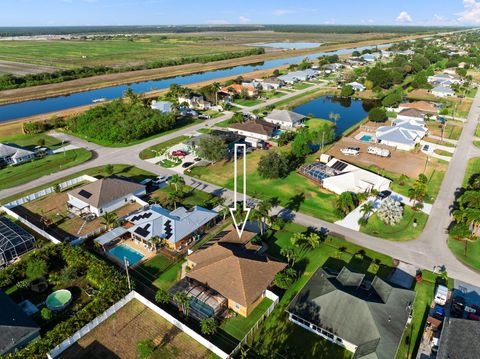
x,y
477,143
301,86
192,197
11,176
156,265
477,131
400,232
273,94
247,102
473,167
170,163
132,172
152,151
443,153
278,335
224,124
239,326
171,276
472,92
31,141
473,252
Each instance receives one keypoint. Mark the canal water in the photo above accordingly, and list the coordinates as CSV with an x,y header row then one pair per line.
x,y
36,107
351,111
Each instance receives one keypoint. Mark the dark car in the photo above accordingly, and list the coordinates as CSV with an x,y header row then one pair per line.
x,y
438,312
458,306
197,159
384,194
187,164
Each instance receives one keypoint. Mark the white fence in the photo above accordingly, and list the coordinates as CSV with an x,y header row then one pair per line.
x,y
48,190
59,349
274,298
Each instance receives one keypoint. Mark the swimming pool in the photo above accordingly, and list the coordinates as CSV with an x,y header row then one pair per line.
x,y
366,138
201,307
121,251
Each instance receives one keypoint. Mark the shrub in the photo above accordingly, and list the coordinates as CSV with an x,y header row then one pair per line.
x,y
46,314
390,212
36,268
273,165
209,326
377,114
285,278
145,349
347,91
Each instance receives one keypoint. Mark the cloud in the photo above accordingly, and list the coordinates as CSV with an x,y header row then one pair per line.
x,y
470,13
281,12
217,22
244,20
404,17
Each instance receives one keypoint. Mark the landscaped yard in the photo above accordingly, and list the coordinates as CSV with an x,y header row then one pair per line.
x,y
405,230
473,167
472,258
273,94
239,326
443,153
248,102
171,276
118,336
279,335
192,197
294,192
11,176
32,140
302,86
156,149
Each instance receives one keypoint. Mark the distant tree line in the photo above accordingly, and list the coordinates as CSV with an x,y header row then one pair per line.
x,y
9,81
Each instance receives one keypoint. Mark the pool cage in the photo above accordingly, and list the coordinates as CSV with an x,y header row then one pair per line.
x,y
14,241
317,171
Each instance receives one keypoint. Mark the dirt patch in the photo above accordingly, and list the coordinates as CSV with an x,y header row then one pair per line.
x,y
401,162
118,336
22,69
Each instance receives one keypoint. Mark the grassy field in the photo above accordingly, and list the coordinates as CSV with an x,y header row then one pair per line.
x,y
443,153
293,191
472,257
30,141
12,176
247,102
152,151
402,231
112,52
279,335
472,168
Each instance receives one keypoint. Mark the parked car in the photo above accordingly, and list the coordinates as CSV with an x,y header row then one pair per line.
x,y
197,159
204,117
179,153
159,180
458,306
187,164
351,151
426,147
441,295
438,312
384,194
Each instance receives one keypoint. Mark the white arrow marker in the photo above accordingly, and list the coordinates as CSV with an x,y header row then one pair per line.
x,y
245,208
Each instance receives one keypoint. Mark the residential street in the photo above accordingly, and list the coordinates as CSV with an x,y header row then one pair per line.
x,y
429,250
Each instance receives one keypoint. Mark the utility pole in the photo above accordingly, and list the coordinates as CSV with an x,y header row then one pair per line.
x,y
125,261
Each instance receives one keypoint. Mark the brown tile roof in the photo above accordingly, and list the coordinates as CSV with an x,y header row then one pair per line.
x,y
256,126
104,191
420,105
237,88
229,235
412,112
236,273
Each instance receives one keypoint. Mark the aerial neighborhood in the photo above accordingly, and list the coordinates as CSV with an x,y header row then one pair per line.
x,y
271,193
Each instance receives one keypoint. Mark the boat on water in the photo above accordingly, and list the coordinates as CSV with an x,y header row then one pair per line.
x,y
97,100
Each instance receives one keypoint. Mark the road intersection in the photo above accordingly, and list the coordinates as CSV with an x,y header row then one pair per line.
x,y
428,251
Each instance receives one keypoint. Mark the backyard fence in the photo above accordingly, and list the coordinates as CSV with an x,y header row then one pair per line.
x,y
249,336
67,343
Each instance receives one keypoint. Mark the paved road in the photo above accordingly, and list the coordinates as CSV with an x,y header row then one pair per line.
x,y
429,250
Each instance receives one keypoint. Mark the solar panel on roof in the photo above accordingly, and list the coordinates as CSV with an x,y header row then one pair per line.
x,y
168,229
143,231
339,165
85,194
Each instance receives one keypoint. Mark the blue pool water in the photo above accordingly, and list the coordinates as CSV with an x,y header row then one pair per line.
x,y
366,138
121,251
201,307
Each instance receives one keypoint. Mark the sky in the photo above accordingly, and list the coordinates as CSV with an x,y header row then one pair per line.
x,y
170,12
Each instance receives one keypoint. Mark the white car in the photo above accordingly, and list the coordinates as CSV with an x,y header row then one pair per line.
x,y
159,180
350,151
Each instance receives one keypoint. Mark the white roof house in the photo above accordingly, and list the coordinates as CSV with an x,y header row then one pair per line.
x,y
285,118
357,86
442,91
295,76
415,125
350,178
14,155
398,137
162,106
174,227
445,79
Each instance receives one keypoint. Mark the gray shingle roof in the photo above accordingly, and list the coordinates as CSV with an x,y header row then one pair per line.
x,y
373,319
459,339
16,152
15,325
285,116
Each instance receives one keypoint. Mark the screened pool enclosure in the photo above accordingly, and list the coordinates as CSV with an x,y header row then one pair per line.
x,y
14,241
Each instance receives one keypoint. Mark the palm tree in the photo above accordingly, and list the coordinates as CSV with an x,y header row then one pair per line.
x,y
291,254
390,212
418,191
175,180
263,208
216,87
174,197
109,219
313,240
183,302
155,241
334,116
298,239
366,208
162,296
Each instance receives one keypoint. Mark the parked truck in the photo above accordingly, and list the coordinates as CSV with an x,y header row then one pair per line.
x,y
377,151
441,295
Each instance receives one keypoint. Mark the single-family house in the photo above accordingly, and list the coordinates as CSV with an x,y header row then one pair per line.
x,y
413,125
194,101
271,83
370,57
398,137
175,228
408,52
233,268
14,155
366,318
331,68
339,176
237,89
357,86
103,195
459,339
411,114
442,91
17,330
424,106
444,79
285,119
386,53
14,241
162,106
254,131
295,76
